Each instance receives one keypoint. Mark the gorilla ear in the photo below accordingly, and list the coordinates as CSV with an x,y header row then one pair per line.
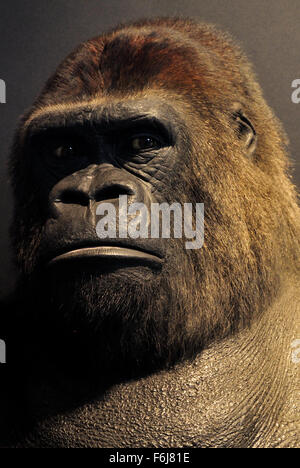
x,y
244,129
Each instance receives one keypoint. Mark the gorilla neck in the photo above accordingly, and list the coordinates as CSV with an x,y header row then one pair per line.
x,y
240,392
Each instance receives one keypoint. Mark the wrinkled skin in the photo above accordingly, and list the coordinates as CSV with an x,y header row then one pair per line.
x,y
141,342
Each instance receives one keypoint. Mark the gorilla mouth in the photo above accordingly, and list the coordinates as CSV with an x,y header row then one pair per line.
x,y
113,253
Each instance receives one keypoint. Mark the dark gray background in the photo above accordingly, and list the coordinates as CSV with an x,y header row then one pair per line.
x,y
35,35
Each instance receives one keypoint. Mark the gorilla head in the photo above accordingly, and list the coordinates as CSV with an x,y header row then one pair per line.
x,y
162,111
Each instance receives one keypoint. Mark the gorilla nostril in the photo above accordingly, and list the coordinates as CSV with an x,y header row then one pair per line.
x,y
112,192
75,197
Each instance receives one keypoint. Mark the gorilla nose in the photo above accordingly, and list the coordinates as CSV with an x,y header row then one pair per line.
x,y
77,196
93,185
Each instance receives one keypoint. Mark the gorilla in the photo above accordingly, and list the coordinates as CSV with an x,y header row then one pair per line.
x,y
141,342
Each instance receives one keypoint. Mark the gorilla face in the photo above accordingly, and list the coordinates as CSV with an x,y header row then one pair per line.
x,y
141,116
94,157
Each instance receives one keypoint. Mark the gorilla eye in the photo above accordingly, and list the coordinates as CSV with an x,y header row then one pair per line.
x,y
144,142
61,149
62,154
66,151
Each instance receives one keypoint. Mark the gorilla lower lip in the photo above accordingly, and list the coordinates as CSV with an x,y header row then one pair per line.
x,y
107,252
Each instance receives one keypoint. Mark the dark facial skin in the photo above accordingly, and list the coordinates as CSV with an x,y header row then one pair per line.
x,y
92,159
